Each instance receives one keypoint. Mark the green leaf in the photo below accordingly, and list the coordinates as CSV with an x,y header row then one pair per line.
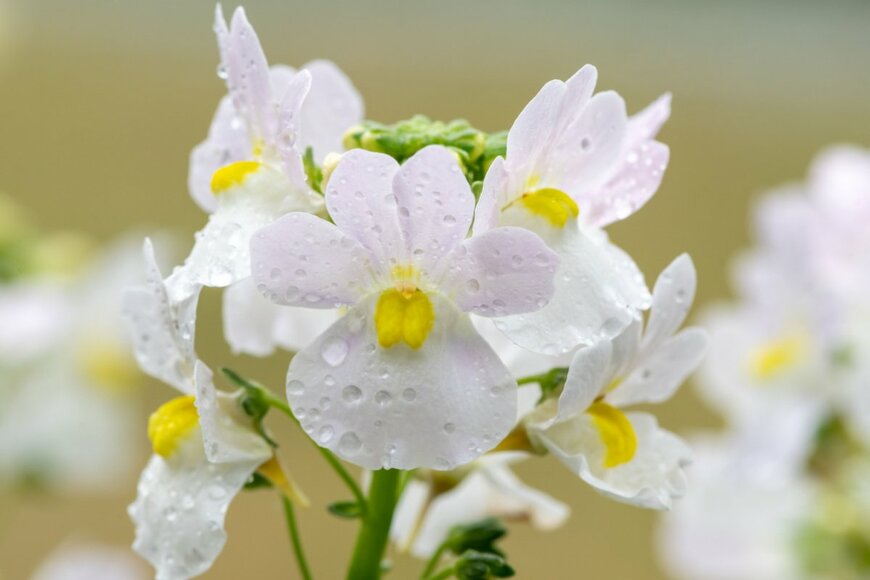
x,y
257,481
474,565
312,170
345,509
477,536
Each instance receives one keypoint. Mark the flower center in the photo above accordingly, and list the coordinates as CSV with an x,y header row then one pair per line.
x,y
169,424
232,175
776,356
616,432
403,313
553,205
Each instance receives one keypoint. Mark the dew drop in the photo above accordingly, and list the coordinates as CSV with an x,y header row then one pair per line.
x,y
472,285
334,351
351,394
449,428
295,387
349,443
409,395
383,398
324,435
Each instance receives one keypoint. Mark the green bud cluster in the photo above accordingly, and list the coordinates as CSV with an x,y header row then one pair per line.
x,y
474,149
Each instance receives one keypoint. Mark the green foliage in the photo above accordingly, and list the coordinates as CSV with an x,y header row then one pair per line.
x,y
312,171
345,509
257,481
255,402
474,565
477,536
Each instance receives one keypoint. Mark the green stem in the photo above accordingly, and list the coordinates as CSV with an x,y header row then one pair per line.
x,y
446,573
433,561
328,455
293,529
530,379
371,543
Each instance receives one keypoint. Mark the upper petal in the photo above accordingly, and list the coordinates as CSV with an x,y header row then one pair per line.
x,y
435,204
302,259
331,108
503,271
161,330
227,433
672,298
438,406
360,200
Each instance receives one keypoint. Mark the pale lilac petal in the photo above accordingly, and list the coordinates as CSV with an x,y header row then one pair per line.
x,y
492,198
248,76
439,406
227,432
255,325
652,479
583,156
672,298
587,377
659,375
333,106
435,204
532,130
161,330
303,260
504,271
226,143
599,291
360,200
288,125
647,123
180,509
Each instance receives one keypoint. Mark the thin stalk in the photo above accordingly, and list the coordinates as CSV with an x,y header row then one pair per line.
x,y
433,561
293,529
371,542
442,575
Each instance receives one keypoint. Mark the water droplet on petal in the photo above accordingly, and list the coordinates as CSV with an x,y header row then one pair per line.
x,y
349,443
334,350
351,393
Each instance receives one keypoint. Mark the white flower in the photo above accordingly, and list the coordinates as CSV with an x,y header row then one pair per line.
x,y
488,489
737,522
205,447
575,164
66,395
90,562
626,455
402,380
249,171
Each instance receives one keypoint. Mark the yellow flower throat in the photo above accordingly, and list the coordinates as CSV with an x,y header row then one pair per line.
x,y
404,313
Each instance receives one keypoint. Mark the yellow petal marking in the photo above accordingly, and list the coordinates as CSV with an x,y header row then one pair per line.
x,y
402,315
108,364
232,175
616,433
169,424
553,205
776,356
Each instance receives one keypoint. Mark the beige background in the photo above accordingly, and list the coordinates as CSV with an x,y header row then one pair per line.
x,y
101,101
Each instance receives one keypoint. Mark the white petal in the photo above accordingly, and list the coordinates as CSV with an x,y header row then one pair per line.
x,y
36,316
672,298
599,291
520,361
303,260
409,512
180,509
587,377
162,331
90,562
505,270
533,129
652,479
255,325
660,373
227,433
435,204
332,107
360,200
496,189
439,406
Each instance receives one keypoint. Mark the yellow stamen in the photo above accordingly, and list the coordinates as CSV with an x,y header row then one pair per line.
x,y
616,433
553,205
169,424
232,175
771,359
403,315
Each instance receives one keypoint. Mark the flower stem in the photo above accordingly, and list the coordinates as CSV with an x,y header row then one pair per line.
x,y
375,530
433,561
292,528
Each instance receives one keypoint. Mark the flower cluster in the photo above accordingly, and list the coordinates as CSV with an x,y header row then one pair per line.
x,y
417,271
785,487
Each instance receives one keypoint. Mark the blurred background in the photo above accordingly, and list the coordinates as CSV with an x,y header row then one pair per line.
x,y
102,100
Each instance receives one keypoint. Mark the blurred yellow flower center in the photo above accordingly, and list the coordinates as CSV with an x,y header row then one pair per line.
x,y
232,175
108,364
553,205
169,424
616,432
776,356
403,313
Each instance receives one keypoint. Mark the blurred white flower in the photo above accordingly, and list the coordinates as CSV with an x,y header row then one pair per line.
x,y
91,562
